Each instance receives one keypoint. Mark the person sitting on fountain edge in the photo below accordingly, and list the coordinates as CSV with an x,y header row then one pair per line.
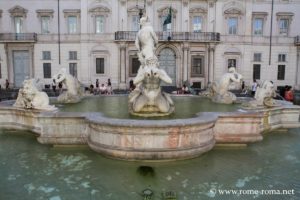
x,y
103,89
185,89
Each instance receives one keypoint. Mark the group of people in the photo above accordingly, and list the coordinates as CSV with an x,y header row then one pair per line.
x,y
60,86
101,89
184,90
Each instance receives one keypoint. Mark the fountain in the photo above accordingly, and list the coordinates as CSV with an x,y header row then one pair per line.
x,y
218,90
263,97
138,137
147,99
29,97
74,92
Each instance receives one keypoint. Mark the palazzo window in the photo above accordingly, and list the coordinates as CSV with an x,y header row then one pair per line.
x,y
284,20
100,16
258,26
18,15
99,24
72,24
72,19
281,57
133,18
18,20
45,24
234,16
257,57
134,65
167,19
284,26
281,72
197,66
99,65
256,71
45,19
47,70
231,63
258,21
135,23
232,25
197,19
46,55
197,24
72,55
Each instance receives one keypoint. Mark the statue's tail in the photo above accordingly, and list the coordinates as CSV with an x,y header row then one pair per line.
x,y
169,99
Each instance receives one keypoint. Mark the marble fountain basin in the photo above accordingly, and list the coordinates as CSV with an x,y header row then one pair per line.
x,y
194,131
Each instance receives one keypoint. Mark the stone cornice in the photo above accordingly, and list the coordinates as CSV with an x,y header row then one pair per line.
x,y
18,11
198,10
99,10
71,12
285,15
45,12
233,11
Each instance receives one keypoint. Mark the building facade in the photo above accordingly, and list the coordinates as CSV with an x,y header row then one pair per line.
x,y
94,39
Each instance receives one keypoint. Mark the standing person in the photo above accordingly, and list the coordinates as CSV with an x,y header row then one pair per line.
x,y
60,85
289,95
97,83
108,82
131,85
109,87
92,89
254,87
54,86
243,85
6,84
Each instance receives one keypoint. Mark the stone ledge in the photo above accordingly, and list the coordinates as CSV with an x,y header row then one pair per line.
x,y
151,139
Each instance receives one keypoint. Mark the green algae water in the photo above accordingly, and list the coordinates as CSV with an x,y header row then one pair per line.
x,y
117,106
29,171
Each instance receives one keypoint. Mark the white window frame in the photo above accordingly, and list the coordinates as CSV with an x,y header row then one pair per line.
x,y
99,24
45,23
100,66
202,69
257,55
72,13
288,16
281,56
135,26
233,31
73,55
97,12
46,55
198,12
255,30
21,12
41,14
19,28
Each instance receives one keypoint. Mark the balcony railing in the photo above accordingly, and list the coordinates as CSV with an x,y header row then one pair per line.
x,y
18,37
297,40
172,36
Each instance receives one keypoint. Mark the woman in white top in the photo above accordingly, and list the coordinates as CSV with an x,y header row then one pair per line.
x,y
254,87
